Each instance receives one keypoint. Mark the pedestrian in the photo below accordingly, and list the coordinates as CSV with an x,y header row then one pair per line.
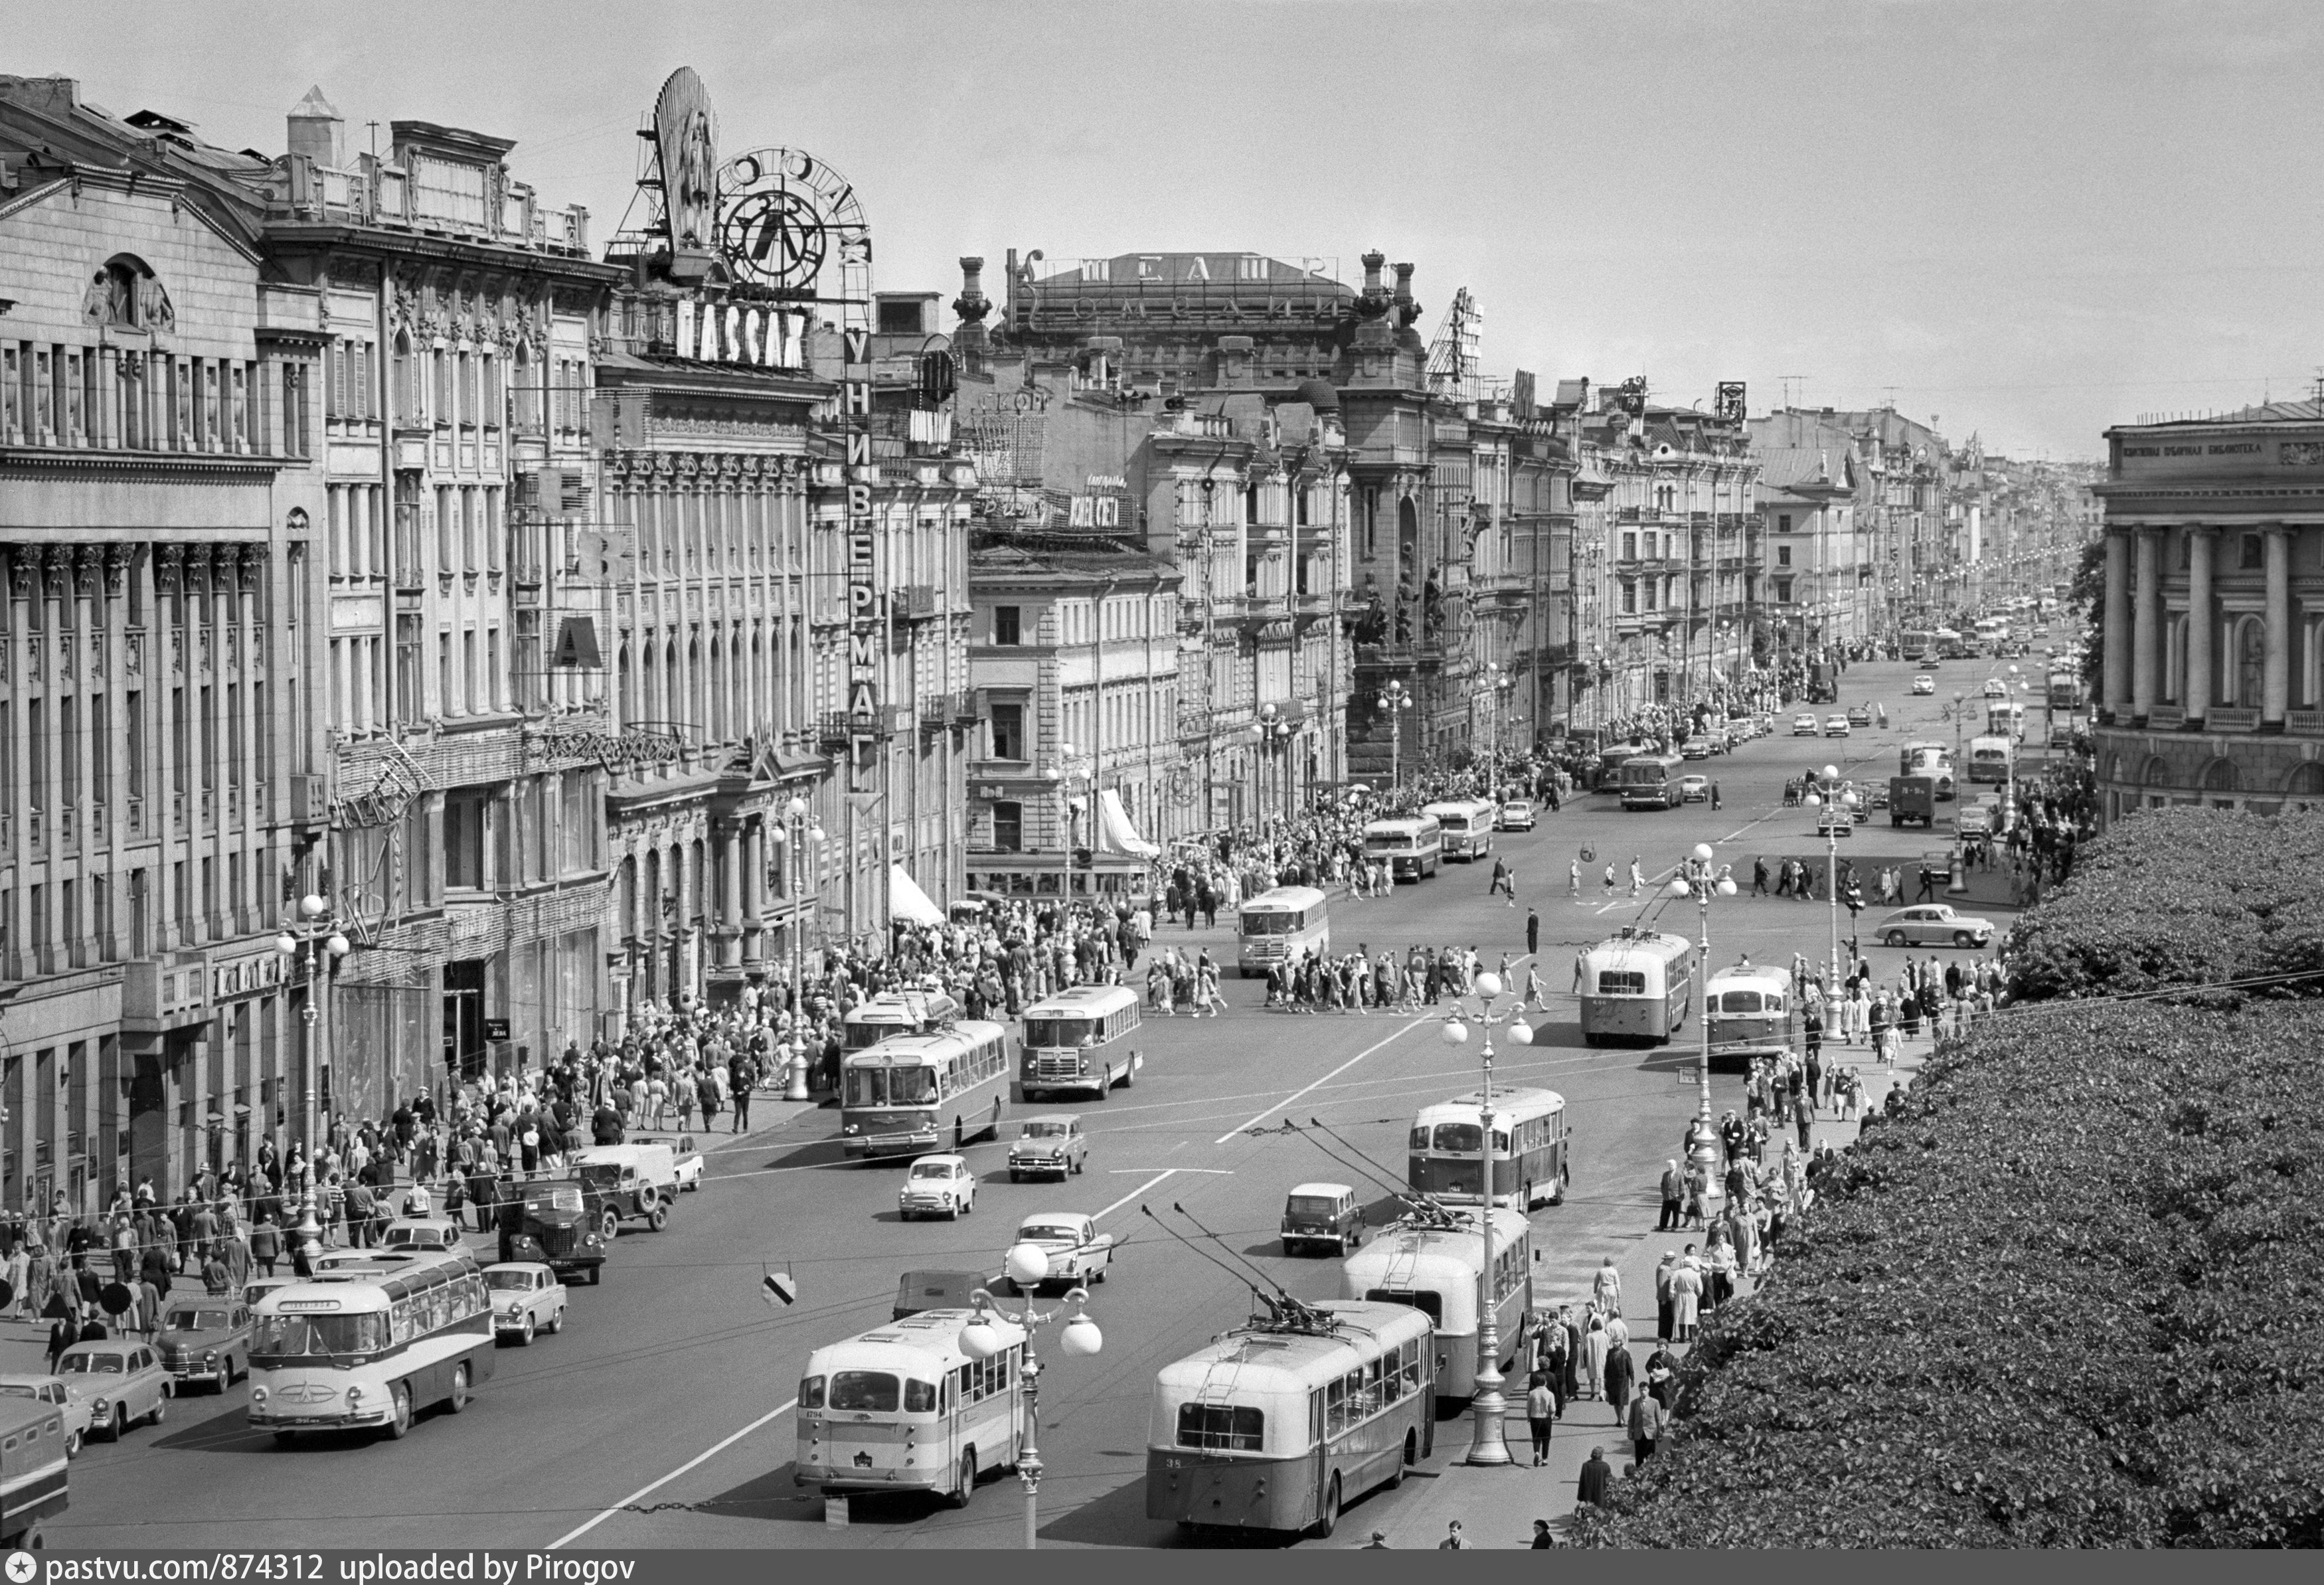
x,y
1648,1419
1760,876
1533,932
1453,1540
1610,878
1664,1301
1597,1482
1378,1542
1542,1537
1541,1414
266,1243
1638,876
1674,1197
1714,798
1621,1375
1573,880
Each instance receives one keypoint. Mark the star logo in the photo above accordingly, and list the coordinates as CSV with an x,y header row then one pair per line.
x,y
21,1567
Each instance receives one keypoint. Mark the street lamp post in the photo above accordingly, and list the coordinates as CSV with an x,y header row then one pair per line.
x,y
313,934
1843,807
795,812
1275,736
1489,1445
1702,879
1027,1265
1073,764
1396,699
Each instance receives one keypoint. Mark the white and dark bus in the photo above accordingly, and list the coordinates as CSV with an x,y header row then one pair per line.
x,y
1413,846
894,1098
1530,1150
1433,1267
371,1344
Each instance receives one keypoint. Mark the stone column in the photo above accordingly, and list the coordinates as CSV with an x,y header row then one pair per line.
x,y
2275,690
2202,642
2146,610
730,889
754,882
2117,629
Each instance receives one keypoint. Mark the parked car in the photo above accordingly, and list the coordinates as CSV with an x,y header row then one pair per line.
x,y
1049,1145
1805,726
1861,716
1321,1219
937,1186
1693,790
1924,684
527,1298
1695,748
1835,726
1934,925
205,1338
51,1390
1079,1255
1517,815
120,1381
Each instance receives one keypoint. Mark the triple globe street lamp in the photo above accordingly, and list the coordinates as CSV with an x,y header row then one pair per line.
x,y
1027,1265
1488,1444
1702,878
1844,803
312,938
1396,699
795,817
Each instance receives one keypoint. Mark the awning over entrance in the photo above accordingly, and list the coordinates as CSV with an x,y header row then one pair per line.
x,y
1120,836
907,902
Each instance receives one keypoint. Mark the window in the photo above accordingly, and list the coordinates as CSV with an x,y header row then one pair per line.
x,y
1009,827
1784,522
464,839
1009,732
1005,621
2253,558
1783,591
1223,1427
1629,597
1783,556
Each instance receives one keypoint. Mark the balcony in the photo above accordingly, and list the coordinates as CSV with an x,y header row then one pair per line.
x,y
2304,722
2227,718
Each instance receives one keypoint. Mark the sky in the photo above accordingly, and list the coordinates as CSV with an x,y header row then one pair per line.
x,y
2025,220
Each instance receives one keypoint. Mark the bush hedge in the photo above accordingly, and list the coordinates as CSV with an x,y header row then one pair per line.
x,y
2071,1294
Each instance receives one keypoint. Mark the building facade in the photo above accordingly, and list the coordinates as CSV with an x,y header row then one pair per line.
x,y
2212,625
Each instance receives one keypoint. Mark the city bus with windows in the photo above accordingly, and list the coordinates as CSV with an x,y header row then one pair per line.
x,y
1752,1013
1650,781
1280,926
894,1098
897,1012
1932,759
1078,1041
1989,759
1433,1266
1530,1150
1413,845
1277,1425
373,1344
1635,987
1917,643
902,1407
2065,691
2006,718
1467,824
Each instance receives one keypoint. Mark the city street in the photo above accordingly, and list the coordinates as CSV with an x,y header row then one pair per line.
x,y
660,1418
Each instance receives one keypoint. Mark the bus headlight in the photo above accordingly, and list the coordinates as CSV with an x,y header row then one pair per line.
x,y
257,1396
355,1396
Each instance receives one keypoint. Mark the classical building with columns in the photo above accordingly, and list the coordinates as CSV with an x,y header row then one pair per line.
x,y
2213,625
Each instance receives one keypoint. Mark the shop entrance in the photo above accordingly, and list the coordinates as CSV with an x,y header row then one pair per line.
x,y
464,1019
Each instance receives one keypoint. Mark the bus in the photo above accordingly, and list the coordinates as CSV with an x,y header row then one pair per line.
x,y
1079,1040
1433,1266
2065,691
1751,1014
1917,644
1467,824
2004,718
892,1098
1278,927
1932,759
33,1479
371,1344
902,1407
1277,1425
897,1012
1531,1165
1412,846
1635,987
1953,647
1989,759
1650,781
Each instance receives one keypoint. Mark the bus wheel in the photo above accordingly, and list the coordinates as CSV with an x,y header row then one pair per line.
x,y
398,1417
967,1479
1329,1519
459,1400
1411,1457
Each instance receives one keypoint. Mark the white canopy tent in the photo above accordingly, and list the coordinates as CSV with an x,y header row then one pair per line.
x,y
907,902
1120,836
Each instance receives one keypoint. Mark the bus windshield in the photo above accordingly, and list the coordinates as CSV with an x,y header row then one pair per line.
x,y
1427,1302
290,1336
1458,1138
1221,1428
1059,1031
880,1086
1269,922
1621,983
1740,1002
1389,842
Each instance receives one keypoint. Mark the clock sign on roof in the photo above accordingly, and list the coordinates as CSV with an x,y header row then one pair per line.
x,y
789,224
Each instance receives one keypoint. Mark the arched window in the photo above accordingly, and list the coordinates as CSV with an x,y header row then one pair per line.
x,y
2306,781
126,292
2219,777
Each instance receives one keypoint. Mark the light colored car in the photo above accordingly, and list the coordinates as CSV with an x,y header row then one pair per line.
x,y
1322,1218
1861,715
684,1152
119,1381
1694,748
1832,820
205,1338
1995,688
528,1297
1805,726
1835,726
937,1186
415,1233
1079,1255
51,1390
1693,790
1517,815
1051,1145
1934,925
1924,684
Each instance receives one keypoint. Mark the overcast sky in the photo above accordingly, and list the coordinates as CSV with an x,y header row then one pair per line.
x,y
2030,220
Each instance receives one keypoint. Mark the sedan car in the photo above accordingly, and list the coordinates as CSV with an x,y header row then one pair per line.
x,y
51,1390
1517,815
1051,1145
119,1382
1078,1254
1833,820
415,1233
937,1186
1693,790
1805,726
1835,726
1934,925
1923,683
682,1148
1861,716
528,1297
1695,748
206,1339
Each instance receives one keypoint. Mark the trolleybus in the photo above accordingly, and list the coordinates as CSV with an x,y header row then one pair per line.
x,y
1432,1268
1751,1014
1412,846
1280,926
894,1098
1530,1160
1277,1426
371,1345
1467,824
903,1407
1650,781
1635,987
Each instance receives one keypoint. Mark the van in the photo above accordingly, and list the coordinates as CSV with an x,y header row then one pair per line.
x,y
1322,1218
1912,799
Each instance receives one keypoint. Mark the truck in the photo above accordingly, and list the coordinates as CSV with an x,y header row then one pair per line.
x,y
551,1221
1824,683
1079,1255
1912,798
626,1181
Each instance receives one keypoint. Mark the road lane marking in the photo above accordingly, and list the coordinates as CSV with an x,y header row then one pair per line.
x,y
1326,1079
701,1458
1134,1194
1208,1172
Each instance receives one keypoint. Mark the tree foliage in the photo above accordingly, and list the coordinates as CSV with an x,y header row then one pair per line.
x,y
2086,598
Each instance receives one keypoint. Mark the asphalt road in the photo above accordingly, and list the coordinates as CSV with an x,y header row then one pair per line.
x,y
661,1417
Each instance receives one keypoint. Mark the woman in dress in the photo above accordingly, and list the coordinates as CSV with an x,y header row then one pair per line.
x,y
1593,1354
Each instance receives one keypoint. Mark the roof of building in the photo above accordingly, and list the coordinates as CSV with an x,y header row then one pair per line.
x,y
1783,467
1032,555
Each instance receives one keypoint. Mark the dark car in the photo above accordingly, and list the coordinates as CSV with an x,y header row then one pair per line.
x,y
204,1339
1322,1218
552,1221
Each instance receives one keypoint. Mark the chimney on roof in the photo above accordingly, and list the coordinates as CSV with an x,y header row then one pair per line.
x,y
316,130
970,340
